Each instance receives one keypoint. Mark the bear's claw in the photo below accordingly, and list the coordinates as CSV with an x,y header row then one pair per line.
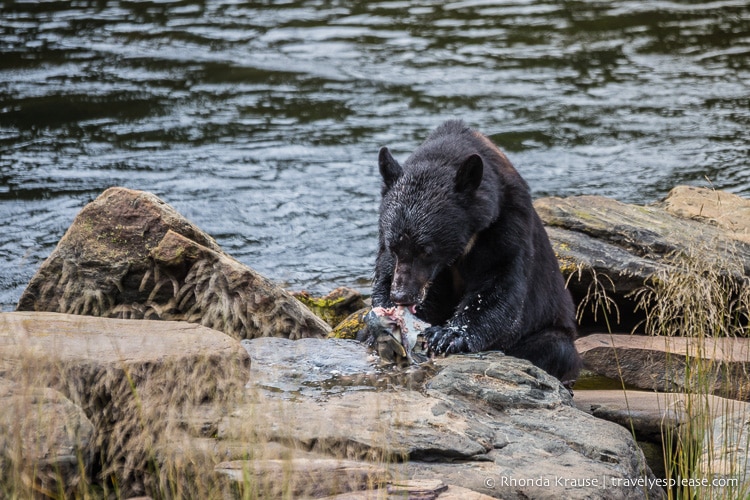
x,y
442,340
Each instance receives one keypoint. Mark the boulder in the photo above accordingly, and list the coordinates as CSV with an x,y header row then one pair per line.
x,y
137,382
616,249
130,255
671,364
493,424
45,440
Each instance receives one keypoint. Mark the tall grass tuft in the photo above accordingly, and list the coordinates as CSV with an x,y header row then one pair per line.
x,y
706,299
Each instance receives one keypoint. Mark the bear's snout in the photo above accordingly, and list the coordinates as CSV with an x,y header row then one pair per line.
x,y
410,281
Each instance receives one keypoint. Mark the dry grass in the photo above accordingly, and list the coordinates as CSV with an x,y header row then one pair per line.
x,y
704,298
161,429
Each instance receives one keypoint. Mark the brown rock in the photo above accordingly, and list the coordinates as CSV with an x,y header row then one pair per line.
x,y
725,210
45,440
725,456
135,380
650,414
303,477
130,255
659,363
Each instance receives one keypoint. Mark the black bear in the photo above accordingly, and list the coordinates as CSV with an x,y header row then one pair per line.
x,y
462,247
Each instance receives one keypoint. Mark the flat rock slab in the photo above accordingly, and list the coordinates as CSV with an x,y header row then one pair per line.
x,y
59,338
725,350
659,363
301,477
133,379
486,422
130,255
649,413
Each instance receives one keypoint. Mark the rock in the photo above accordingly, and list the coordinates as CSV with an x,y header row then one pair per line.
x,y
334,307
420,488
135,380
352,327
725,210
130,255
414,490
487,422
618,248
667,418
45,440
301,477
651,414
661,363
503,382
725,456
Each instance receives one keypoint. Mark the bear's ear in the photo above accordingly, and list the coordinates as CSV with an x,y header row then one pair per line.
x,y
389,168
469,175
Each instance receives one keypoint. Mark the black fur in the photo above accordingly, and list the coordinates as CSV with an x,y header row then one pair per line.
x,y
460,240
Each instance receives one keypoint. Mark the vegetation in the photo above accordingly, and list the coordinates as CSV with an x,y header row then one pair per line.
x,y
706,299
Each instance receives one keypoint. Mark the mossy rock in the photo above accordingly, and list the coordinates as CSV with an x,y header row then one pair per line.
x,y
350,327
334,307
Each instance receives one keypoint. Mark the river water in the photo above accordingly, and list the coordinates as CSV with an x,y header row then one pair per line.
x,y
261,121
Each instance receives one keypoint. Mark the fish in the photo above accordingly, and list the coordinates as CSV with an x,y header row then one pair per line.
x,y
397,335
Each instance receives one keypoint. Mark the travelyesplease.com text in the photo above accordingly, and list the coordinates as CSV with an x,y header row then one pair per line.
x,y
609,482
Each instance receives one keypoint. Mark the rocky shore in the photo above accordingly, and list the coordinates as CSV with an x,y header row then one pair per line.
x,y
142,359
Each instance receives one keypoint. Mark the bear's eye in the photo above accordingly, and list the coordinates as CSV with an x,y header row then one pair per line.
x,y
427,251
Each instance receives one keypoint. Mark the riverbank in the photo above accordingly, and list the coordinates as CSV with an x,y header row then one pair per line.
x,y
237,391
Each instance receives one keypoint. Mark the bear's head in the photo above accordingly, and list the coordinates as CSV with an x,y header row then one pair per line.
x,y
428,218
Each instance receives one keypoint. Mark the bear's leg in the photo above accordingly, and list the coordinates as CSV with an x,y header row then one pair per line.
x,y
552,350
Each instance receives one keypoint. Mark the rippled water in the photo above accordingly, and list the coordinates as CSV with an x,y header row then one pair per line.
x,y
261,121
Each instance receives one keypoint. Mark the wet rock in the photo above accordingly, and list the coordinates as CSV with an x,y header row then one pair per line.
x,y
352,327
45,439
318,369
661,363
130,255
135,381
334,307
487,422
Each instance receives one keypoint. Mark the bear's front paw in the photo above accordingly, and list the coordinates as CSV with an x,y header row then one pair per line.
x,y
445,340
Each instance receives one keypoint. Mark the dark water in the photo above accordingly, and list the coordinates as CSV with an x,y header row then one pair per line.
x,y
261,121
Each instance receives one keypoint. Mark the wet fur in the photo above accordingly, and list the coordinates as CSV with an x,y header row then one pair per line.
x,y
472,253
